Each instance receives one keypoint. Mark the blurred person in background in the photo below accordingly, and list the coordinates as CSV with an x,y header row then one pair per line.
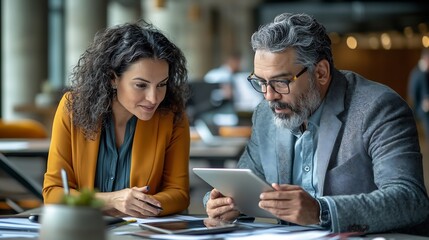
x,y
222,98
224,75
418,91
121,129
235,99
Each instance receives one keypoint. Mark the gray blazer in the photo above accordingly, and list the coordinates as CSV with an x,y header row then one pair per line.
x,y
369,165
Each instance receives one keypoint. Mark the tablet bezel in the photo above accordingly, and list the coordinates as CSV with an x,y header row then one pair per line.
x,y
242,185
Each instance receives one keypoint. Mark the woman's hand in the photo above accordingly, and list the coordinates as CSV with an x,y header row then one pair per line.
x,y
132,202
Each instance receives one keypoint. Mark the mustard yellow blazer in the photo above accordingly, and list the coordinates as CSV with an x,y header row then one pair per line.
x,y
159,159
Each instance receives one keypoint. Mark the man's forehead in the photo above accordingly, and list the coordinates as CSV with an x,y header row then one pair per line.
x,y
288,53
267,59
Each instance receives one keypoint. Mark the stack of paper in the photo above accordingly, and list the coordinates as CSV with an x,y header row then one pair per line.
x,y
18,227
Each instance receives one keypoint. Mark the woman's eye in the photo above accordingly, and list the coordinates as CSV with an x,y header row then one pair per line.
x,y
162,84
141,85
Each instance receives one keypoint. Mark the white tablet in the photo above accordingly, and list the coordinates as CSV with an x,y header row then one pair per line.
x,y
240,184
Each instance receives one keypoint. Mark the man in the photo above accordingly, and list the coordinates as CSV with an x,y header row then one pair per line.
x,y
341,151
224,75
418,91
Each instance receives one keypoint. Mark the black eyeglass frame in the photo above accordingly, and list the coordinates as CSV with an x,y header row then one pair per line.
x,y
260,82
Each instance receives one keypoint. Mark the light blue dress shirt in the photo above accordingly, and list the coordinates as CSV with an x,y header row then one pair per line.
x,y
305,159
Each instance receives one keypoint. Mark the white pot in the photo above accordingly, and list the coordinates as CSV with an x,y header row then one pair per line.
x,y
62,222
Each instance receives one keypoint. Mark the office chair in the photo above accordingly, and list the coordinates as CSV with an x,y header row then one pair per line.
x,y
30,188
202,99
25,128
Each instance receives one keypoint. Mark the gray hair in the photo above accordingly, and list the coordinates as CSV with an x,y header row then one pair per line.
x,y
299,31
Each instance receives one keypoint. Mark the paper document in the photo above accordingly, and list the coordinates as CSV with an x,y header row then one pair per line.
x,y
248,234
18,235
249,231
279,234
18,224
23,224
162,219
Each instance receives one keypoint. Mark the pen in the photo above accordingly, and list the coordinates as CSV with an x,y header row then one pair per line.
x,y
65,181
126,222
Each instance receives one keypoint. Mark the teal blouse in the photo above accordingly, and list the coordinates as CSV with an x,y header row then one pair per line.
x,y
113,164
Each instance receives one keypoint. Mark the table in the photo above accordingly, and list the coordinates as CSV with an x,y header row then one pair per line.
x,y
132,228
25,147
216,155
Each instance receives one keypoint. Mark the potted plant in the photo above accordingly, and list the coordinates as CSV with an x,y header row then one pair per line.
x,y
76,217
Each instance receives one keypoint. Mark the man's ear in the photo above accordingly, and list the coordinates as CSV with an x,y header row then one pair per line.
x,y
323,72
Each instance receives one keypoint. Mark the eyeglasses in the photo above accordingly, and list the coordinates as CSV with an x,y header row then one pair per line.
x,y
279,86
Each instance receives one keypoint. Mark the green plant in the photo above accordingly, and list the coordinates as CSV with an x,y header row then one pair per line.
x,y
85,198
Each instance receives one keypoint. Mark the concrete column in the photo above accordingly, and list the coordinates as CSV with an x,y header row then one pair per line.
x,y
122,11
168,18
185,24
236,25
197,40
243,21
24,53
56,44
83,20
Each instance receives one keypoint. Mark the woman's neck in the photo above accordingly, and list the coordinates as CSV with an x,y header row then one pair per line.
x,y
120,114
120,119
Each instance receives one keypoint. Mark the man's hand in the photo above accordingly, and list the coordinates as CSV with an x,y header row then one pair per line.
x,y
291,203
221,207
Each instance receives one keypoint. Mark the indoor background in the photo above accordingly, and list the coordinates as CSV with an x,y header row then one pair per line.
x,y
41,40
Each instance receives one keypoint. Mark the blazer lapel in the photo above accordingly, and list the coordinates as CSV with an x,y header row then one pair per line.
x,y
143,151
88,156
330,125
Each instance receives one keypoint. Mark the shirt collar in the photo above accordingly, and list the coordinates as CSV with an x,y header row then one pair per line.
x,y
313,121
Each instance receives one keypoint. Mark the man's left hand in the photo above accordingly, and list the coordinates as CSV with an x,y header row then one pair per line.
x,y
291,203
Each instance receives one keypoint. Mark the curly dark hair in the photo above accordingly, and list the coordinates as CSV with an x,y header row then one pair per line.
x,y
108,56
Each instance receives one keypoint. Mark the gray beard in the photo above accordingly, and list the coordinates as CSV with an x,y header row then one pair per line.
x,y
293,122
305,105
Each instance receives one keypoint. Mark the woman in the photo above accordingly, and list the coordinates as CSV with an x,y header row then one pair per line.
x,y
122,128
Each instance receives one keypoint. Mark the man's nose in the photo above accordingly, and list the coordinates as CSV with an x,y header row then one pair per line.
x,y
271,94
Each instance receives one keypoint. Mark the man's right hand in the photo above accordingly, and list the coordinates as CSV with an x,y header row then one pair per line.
x,y
221,207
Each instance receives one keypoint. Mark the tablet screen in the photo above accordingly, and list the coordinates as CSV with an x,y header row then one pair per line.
x,y
187,227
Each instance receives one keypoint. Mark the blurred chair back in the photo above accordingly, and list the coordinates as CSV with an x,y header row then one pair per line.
x,y
16,188
202,99
26,128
